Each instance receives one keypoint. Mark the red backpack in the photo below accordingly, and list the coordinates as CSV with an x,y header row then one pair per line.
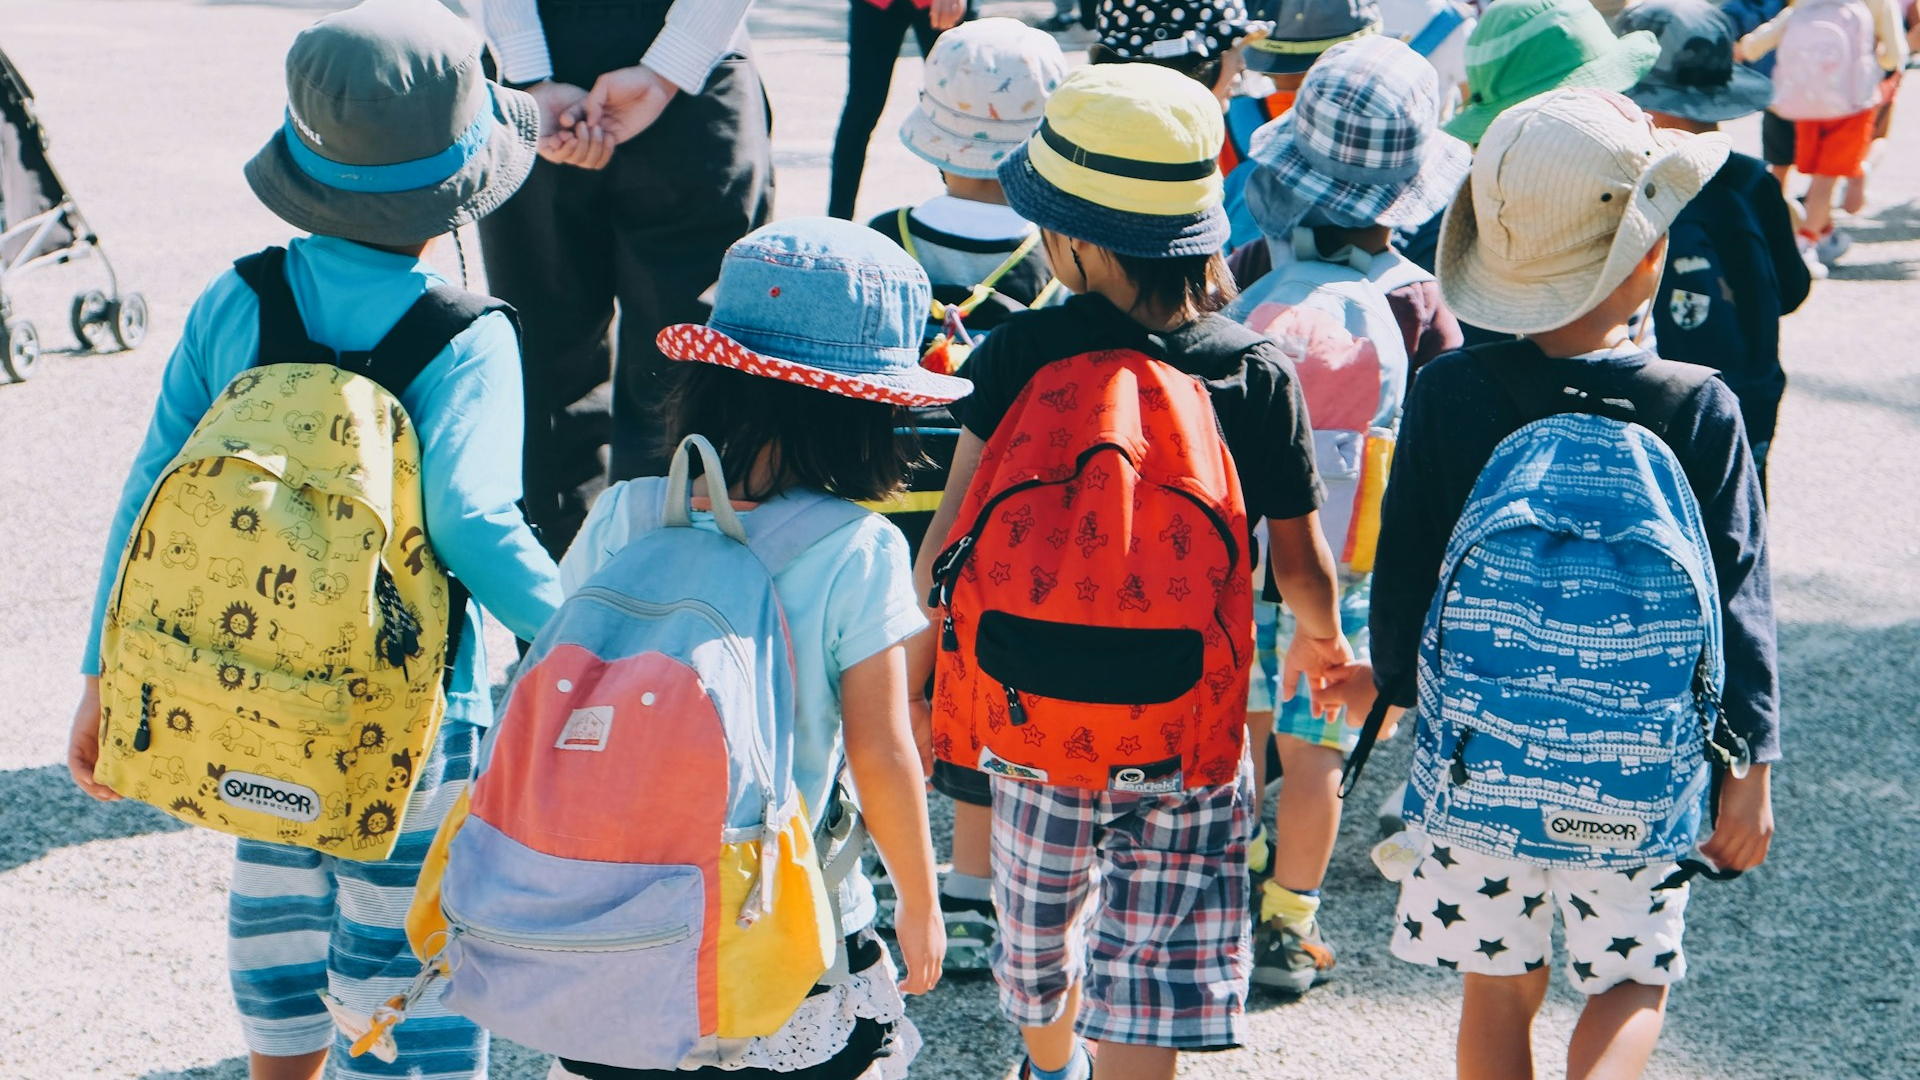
x,y
1098,609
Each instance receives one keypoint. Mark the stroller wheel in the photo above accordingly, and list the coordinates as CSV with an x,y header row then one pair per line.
x,y
88,316
22,349
129,320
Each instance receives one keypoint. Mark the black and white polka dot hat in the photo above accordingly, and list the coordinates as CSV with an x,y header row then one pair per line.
x,y
1166,30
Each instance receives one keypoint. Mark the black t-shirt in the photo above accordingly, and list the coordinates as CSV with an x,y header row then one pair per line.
x,y
1252,383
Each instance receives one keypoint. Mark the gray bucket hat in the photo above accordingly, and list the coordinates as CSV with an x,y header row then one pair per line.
x,y
1303,29
1695,77
393,135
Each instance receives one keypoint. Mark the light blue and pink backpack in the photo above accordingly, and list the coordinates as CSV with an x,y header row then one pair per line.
x,y
1827,67
637,875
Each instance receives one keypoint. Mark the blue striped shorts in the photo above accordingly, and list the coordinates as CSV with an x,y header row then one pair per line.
x,y
300,921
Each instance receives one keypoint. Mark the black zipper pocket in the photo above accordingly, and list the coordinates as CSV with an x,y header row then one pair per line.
x,y
1095,665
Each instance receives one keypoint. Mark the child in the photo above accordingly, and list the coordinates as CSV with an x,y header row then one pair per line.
x,y
874,30
1776,131
1833,108
987,82
1732,266
1123,179
801,375
1358,155
301,921
1582,186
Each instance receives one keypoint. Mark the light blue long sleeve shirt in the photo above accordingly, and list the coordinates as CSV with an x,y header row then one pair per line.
x,y
466,406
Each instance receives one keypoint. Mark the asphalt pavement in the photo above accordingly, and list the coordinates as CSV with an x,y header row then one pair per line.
x,y
112,918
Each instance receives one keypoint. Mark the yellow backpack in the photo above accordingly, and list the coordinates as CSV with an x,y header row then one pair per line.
x,y
274,646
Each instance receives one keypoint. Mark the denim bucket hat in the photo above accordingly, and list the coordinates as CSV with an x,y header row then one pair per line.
x,y
1304,29
1127,157
1362,142
393,134
987,83
1524,48
823,303
1695,77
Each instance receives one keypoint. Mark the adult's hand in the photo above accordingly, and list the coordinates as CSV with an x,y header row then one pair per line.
x,y
565,139
947,14
626,101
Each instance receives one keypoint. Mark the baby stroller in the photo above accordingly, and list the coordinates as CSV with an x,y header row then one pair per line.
x,y
40,227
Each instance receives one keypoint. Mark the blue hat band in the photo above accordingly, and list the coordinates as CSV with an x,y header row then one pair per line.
x,y
412,175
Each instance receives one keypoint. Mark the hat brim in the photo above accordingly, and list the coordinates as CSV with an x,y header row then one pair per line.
x,y
1444,163
977,159
1511,302
1746,93
405,217
1624,64
914,387
1146,236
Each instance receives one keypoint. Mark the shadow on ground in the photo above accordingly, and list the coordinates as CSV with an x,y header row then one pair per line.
x,y
43,811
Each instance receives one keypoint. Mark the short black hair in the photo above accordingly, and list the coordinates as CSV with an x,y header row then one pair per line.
x,y
846,446
1202,69
1201,282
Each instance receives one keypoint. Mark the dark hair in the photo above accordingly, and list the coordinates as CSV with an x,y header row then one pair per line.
x,y
845,446
1204,70
1201,282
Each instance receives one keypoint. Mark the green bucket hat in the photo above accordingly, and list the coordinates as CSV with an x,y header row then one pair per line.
x,y
393,134
1524,48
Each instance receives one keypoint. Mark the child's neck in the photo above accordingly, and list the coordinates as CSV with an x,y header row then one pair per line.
x,y
1373,240
1606,327
974,189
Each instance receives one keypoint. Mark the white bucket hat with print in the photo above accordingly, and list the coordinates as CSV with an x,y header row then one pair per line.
x,y
987,83
1568,192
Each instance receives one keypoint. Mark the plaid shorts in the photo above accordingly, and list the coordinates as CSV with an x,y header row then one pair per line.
x,y
300,921
1163,951
1272,628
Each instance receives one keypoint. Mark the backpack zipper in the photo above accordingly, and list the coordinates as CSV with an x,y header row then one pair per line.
x,y
652,937
1457,772
143,735
1016,712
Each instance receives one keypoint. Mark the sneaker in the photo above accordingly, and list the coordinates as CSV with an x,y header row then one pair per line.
x,y
1815,268
1833,245
1287,962
971,928
884,893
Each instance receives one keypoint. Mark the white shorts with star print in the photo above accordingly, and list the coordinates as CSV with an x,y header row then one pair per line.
x,y
1470,912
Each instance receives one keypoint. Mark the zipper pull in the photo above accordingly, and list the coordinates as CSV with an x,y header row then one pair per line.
x,y
143,736
1457,772
949,639
1016,712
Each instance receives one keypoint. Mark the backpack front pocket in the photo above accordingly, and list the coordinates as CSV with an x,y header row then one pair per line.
x,y
599,961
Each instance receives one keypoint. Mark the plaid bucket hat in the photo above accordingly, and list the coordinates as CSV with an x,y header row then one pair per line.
x,y
393,134
1127,157
987,83
1362,143
1304,29
1695,77
1568,192
825,304
1524,48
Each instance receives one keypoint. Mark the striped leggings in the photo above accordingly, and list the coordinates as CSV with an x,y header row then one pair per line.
x,y
301,921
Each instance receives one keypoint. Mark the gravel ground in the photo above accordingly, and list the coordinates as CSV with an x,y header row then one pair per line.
x,y
111,953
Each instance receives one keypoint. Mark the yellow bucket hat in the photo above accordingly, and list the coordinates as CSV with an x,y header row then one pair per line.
x,y
1126,157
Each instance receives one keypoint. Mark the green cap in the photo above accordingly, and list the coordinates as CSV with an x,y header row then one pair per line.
x,y
1524,48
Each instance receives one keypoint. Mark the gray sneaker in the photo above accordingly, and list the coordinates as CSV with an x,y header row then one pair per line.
x,y
1830,247
1288,963
971,928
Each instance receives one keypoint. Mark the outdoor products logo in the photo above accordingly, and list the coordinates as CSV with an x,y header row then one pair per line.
x,y
280,798
1595,830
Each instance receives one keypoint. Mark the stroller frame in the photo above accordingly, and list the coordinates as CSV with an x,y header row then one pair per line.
x,y
52,233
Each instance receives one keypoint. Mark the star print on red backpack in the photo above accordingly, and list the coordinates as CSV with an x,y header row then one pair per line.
x,y
1097,602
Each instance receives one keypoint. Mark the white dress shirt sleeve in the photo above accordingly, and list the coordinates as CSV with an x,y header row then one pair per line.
x,y
698,33
519,41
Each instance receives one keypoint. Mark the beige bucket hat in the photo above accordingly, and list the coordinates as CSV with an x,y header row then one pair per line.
x,y
1569,191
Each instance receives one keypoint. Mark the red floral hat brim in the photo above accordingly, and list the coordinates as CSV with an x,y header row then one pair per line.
x,y
915,389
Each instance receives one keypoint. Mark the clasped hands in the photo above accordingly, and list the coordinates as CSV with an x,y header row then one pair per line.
x,y
581,127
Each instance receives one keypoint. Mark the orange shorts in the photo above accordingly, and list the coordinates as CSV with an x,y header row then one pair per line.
x,y
1833,147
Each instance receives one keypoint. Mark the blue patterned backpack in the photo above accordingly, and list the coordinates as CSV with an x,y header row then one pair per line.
x,y
1570,669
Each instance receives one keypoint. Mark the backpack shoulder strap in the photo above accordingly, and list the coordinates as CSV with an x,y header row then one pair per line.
x,y
283,333
1438,29
441,314
1662,388
784,527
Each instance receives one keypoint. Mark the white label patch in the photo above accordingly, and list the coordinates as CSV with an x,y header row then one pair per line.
x,y
1689,309
278,798
1607,831
1692,264
587,729
999,766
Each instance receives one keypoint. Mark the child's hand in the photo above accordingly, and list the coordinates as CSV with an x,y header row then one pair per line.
x,y
920,716
83,743
1325,662
922,936
1744,829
